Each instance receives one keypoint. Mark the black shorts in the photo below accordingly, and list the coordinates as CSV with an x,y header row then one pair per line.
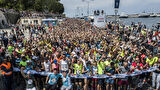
x,y
135,79
100,81
37,76
79,80
52,87
74,80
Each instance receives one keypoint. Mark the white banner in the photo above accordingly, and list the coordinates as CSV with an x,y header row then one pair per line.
x,y
99,21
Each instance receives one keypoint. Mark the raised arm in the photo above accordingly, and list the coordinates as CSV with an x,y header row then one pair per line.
x,y
47,79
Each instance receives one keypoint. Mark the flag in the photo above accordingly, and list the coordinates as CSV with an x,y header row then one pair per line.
x,y
116,3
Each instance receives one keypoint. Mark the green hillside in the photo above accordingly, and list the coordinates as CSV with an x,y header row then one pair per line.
x,y
37,5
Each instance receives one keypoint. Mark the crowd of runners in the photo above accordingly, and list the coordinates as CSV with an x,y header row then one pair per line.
x,y
77,48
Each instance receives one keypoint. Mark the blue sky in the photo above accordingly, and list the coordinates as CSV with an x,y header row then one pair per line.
x,y
126,6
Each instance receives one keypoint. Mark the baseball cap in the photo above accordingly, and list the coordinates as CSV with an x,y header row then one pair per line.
x,y
55,61
28,61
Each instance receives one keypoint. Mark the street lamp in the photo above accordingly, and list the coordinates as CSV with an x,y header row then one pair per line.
x,y
88,3
116,13
77,11
116,7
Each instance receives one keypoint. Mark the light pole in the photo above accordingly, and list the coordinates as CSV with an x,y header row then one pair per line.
x,y
116,12
78,11
88,8
82,12
88,3
116,6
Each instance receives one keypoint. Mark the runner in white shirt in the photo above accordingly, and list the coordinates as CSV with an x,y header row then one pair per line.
x,y
46,65
64,64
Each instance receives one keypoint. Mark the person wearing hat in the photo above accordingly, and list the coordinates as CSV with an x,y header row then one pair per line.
x,y
6,72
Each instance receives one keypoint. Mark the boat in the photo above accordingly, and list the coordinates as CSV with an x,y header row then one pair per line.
x,y
153,15
158,15
143,15
158,24
123,15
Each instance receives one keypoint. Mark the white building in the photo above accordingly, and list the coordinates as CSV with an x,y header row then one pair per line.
x,y
30,20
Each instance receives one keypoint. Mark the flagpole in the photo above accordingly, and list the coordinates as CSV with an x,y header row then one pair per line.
x,y
116,6
88,8
116,12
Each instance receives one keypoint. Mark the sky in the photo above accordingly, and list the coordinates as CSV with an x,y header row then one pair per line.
x,y
77,7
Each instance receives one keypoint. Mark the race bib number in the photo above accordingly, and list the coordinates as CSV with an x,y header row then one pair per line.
x,y
30,81
64,67
78,72
53,80
64,79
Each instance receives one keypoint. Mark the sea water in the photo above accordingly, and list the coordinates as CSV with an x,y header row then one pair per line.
x,y
147,21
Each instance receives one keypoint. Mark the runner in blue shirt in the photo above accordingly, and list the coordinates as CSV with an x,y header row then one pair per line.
x,y
66,81
52,79
110,71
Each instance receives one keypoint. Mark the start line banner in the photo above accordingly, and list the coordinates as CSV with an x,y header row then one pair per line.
x,y
83,76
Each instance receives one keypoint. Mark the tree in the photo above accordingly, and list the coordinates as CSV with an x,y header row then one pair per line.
x,y
18,5
55,6
28,4
2,2
61,8
37,5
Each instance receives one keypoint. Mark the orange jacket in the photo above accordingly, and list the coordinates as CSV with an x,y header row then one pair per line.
x,y
58,59
7,70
